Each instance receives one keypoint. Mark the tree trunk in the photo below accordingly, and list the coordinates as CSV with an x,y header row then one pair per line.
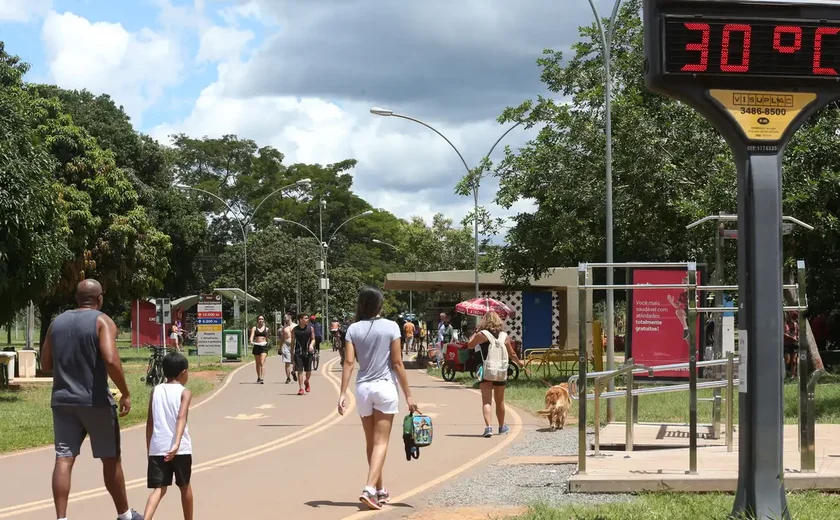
x,y
46,312
9,333
810,341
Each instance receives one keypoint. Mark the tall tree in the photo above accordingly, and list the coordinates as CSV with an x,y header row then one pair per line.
x,y
32,225
111,236
670,168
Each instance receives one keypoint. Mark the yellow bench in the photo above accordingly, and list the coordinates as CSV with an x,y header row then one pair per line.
x,y
539,362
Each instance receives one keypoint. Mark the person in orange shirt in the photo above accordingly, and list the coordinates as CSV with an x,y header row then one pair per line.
x,y
408,336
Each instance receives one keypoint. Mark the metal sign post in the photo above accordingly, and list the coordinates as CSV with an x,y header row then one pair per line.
x,y
719,57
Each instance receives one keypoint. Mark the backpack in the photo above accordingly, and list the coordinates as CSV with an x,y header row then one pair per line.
x,y
417,433
495,367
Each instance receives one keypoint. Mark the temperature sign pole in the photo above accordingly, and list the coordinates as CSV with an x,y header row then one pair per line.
x,y
756,70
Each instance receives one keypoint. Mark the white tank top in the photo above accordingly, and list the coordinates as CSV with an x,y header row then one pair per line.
x,y
166,401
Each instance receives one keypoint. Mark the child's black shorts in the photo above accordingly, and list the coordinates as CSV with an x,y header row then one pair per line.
x,y
160,472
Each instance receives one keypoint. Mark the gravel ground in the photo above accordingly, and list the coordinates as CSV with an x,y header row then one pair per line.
x,y
526,484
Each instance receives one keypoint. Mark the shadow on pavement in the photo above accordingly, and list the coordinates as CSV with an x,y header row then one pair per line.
x,y
330,503
278,425
467,435
356,505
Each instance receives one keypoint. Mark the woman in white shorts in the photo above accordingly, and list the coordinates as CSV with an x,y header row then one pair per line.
x,y
376,342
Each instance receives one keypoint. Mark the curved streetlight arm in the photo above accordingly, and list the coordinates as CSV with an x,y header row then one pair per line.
x,y
298,224
366,213
278,190
433,129
237,217
377,241
499,140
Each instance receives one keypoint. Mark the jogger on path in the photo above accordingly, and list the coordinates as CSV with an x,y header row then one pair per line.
x,y
304,347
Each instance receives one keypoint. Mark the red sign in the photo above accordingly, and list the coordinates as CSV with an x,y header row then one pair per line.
x,y
209,315
658,324
757,47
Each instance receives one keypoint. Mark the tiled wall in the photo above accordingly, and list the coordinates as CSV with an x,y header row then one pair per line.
x,y
513,299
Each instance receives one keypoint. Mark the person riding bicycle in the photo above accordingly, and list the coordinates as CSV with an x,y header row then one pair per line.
x,y
334,333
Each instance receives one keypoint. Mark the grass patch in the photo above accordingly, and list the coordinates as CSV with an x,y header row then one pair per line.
x,y
529,394
27,417
672,506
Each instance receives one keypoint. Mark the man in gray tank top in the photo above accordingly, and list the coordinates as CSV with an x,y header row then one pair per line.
x,y
81,351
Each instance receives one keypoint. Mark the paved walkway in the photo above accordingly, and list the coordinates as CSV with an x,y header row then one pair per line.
x,y
261,451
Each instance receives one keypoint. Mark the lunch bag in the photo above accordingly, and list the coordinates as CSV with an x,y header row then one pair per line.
x,y
417,433
495,367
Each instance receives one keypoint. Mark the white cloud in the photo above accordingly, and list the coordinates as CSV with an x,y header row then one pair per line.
x,y
403,167
133,67
222,43
23,10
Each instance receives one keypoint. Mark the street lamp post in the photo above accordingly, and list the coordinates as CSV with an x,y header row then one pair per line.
x,y
606,44
243,224
476,181
324,246
410,292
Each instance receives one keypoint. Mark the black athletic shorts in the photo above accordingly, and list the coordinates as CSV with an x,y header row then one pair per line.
x,y
303,363
318,341
160,472
260,349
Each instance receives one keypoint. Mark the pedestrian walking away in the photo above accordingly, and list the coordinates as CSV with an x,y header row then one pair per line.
x,y
375,341
494,346
259,340
408,329
319,331
81,351
168,442
285,337
304,337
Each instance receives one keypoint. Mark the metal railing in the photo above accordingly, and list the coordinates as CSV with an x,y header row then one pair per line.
x,y
578,383
631,394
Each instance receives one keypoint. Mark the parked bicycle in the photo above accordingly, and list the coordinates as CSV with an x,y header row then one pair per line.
x,y
154,373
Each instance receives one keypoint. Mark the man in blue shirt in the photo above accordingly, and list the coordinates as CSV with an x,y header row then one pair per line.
x,y
319,331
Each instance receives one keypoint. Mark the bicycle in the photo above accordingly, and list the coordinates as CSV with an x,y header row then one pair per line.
x,y
154,373
336,341
316,359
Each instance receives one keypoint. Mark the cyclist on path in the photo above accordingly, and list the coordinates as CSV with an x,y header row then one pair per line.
x,y
81,351
304,335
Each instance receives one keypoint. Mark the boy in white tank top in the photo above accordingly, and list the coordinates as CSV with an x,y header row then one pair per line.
x,y
168,436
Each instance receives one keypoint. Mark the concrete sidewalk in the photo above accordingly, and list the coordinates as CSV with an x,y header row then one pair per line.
x,y
261,451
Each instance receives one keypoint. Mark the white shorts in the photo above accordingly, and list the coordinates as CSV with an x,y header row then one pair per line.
x,y
377,395
286,353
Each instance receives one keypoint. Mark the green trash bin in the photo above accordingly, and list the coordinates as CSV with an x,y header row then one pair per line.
x,y
233,344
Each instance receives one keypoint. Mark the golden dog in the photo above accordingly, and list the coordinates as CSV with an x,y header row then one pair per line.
x,y
557,403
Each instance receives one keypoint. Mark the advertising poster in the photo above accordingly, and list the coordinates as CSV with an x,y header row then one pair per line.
x,y
209,325
658,323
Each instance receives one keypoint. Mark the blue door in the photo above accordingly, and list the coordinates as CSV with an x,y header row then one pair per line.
x,y
536,320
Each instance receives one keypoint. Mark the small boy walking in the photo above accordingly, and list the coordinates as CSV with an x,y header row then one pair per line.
x,y
168,436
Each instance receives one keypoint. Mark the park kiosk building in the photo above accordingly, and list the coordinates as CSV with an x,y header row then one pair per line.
x,y
547,309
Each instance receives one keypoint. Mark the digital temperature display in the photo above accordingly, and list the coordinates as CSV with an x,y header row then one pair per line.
x,y
751,47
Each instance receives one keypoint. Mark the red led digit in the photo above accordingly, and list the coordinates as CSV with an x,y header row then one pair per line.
x,y
728,29
787,29
702,48
818,41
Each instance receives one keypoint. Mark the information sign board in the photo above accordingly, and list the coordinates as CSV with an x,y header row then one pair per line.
x,y
209,325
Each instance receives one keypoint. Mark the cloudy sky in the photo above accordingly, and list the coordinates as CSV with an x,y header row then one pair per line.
x,y
301,75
